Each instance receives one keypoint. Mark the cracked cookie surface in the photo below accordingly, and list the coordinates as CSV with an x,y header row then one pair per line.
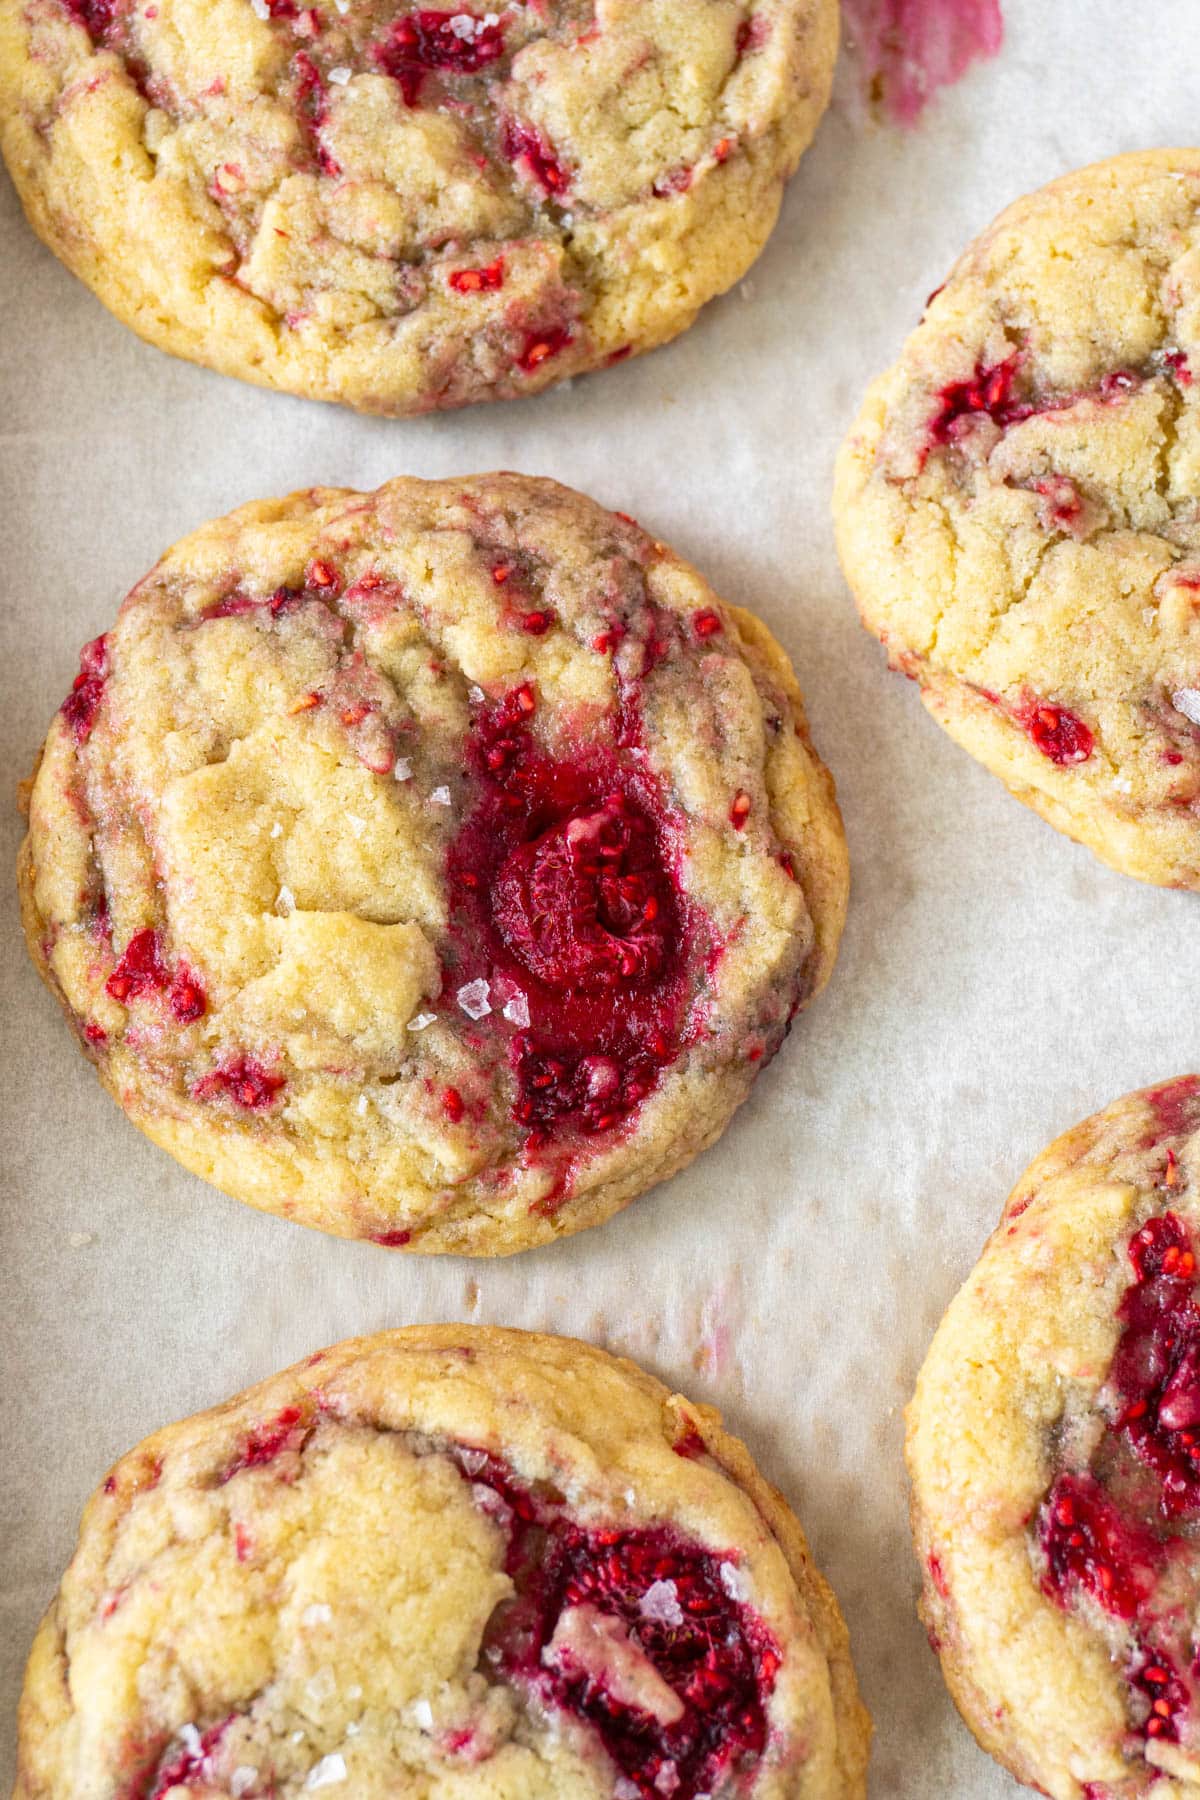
x,y
1054,1451
439,865
408,207
451,1562
1018,508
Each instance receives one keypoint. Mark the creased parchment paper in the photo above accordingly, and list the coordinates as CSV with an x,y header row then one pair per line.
x,y
996,983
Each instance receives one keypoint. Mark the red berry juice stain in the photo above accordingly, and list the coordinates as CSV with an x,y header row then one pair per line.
x,y
143,970
909,49
450,43
244,1081
532,154
79,707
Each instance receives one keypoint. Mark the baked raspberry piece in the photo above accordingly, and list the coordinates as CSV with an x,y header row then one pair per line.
x,y
1017,517
405,207
1054,1447
444,1557
452,933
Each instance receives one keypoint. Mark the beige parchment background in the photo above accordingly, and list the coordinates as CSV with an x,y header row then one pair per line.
x,y
995,985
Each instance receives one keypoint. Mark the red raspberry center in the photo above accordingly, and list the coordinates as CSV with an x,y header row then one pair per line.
x,y
564,894
588,904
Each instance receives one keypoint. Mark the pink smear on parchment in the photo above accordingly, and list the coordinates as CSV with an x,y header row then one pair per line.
x,y
909,49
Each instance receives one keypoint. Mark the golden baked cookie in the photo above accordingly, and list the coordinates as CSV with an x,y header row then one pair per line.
x,y
408,207
453,1562
1018,508
1054,1449
439,865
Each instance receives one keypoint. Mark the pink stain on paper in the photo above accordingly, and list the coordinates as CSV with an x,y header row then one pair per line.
x,y
716,1329
909,49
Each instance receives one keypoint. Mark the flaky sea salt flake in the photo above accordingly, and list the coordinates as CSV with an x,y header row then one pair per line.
x,y
1187,702
321,1686
340,76
440,797
403,768
660,1604
473,999
330,1770
516,1011
242,1780
423,1714
731,1581
285,901
421,1021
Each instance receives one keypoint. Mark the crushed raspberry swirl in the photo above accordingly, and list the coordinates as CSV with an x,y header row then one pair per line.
x,y
641,1635
637,1633
1116,1538
567,895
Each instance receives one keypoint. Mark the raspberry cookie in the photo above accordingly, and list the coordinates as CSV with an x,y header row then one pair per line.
x,y
446,1561
439,865
407,207
1018,508
1054,1447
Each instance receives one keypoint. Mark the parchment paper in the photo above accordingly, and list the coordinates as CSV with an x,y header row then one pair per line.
x,y
995,985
